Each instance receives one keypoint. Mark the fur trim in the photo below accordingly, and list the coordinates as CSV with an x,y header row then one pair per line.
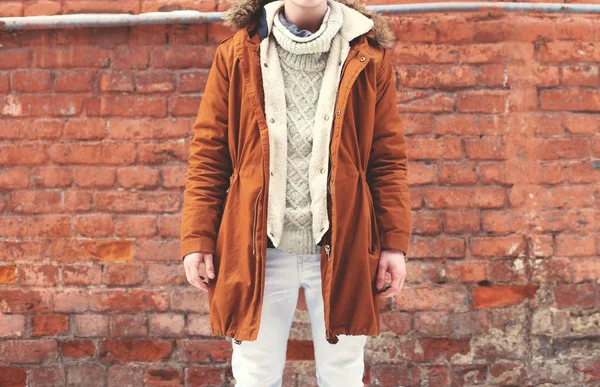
x,y
241,13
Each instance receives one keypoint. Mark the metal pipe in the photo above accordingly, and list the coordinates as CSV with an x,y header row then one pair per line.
x,y
191,17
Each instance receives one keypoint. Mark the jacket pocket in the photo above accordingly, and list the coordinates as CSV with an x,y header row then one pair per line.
x,y
232,180
254,222
374,240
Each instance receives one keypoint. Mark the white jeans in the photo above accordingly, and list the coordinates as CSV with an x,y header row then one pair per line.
x,y
261,362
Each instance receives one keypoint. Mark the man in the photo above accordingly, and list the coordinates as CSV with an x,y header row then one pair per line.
x,y
298,178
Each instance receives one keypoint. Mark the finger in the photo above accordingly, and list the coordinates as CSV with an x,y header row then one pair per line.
x,y
201,271
395,282
210,268
381,274
402,278
194,279
187,272
394,286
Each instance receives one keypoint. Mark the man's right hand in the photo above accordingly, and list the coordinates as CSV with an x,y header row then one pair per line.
x,y
199,266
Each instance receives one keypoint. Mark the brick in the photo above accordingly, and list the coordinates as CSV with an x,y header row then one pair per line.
x,y
74,80
93,154
162,152
122,80
14,178
12,325
435,298
8,274
86,375
85,129
135,350
200,351
163,376
139,226
585,269
154,82
70,300
128,326
138,178
42,7
123,275
457,174
135,202
14,58
580,295
49,325
167,325
139,129
505,246
198,325
116,301
95,177
90,325
164,274
125,375
189,300
28,351
156,250
44,376
445,247
52,177
13,376
38,275
94,225
469,271
100,250
181,57
482,102
502,296
27,81
204,376
22,155
192,81
83,275
465,198
78,349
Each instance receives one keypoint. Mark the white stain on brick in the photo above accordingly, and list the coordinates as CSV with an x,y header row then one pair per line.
x,y
11,107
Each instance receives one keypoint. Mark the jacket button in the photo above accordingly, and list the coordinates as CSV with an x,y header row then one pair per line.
x,y
266,65
271,173
326,117
272,120
338,112
322,170
362,59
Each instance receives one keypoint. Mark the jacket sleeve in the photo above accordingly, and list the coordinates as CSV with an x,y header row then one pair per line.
x,y
209,164
387,166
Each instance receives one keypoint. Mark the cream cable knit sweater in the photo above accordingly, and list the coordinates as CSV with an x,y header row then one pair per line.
x,y
354,24
303,61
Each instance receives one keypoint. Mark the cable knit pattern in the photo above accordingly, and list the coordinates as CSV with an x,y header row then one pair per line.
x,y
303,60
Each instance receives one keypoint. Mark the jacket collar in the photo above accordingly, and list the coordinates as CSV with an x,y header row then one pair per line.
x,y
252,15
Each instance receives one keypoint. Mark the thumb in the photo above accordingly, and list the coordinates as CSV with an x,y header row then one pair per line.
x,y
381,274
208,263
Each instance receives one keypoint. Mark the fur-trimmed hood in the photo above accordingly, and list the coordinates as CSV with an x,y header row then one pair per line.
x,y
243,13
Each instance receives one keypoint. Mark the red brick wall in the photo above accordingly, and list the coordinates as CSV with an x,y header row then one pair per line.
x,y
502,124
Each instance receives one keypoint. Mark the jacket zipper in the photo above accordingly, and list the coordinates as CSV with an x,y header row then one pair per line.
x,y
254,224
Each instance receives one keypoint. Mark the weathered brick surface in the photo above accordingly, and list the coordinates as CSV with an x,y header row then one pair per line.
x,y
502,122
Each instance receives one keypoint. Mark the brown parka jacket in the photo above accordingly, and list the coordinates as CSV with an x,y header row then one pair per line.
x,y
225,201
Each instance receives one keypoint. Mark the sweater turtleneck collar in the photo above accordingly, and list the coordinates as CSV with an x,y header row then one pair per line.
x,y
318,42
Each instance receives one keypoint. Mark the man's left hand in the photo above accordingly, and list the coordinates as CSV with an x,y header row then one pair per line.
x,y
391,261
